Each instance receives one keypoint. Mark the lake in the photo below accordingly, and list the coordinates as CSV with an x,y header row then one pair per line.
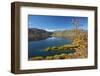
x,y
36,48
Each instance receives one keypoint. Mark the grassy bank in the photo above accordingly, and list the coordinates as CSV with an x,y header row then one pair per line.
x,y
61,48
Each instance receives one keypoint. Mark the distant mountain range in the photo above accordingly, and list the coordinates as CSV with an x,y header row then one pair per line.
x,y
40,34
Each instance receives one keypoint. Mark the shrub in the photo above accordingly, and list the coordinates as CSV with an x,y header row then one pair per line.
x,y
56,57
48,49
37,58
49,58
62,56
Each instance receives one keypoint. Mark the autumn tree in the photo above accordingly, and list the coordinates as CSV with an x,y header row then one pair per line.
x,y
76,24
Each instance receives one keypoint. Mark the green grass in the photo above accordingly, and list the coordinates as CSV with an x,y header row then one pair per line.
x,y
61,48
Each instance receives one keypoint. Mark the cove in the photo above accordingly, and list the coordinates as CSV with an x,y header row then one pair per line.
x,y
36,48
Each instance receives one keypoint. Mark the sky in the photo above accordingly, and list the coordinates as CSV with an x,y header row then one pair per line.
x,y
56,23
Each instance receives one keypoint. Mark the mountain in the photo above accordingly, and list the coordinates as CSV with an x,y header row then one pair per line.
x,y
69,33
37,34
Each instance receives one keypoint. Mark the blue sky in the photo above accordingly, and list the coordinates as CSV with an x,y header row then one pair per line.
x,y
54,23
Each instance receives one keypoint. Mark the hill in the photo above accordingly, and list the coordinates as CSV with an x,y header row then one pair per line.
x,y
37,34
